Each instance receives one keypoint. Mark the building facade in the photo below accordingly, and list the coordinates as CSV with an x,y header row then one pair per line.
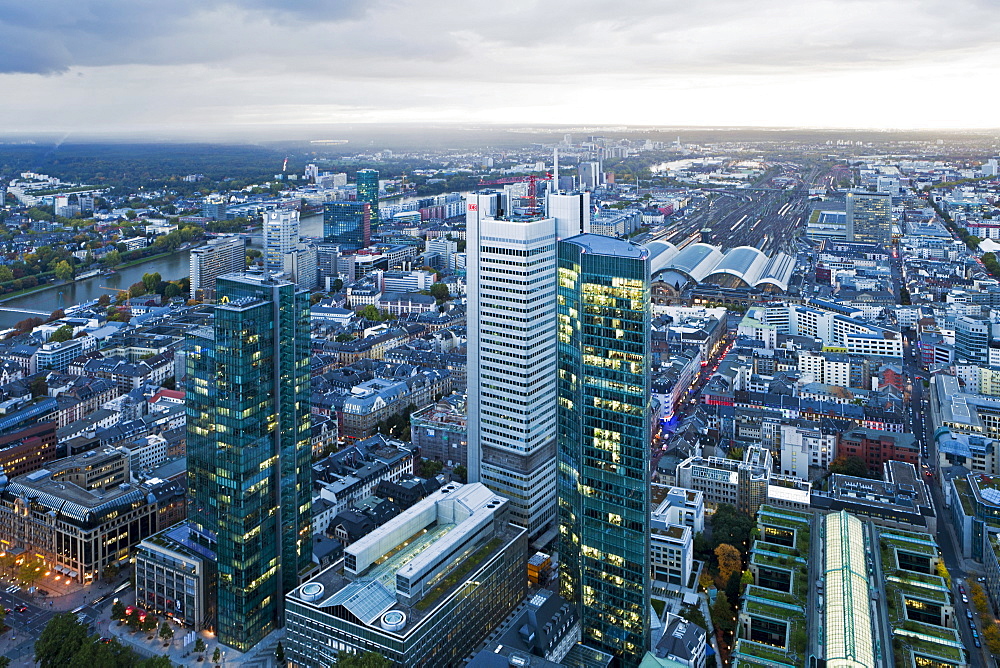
x,y
281,237
604,413
424,589
869,217
219,256
347,224
367,180
512,390
248,448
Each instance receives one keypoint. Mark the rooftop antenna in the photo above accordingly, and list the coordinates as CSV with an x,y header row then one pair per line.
x,y
555,170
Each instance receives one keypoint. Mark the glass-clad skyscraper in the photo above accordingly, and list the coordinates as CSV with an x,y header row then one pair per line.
x,y
248,448
869,217
604,426
367,182
347,224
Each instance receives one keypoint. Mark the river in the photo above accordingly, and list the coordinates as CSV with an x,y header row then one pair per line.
x,y
170,268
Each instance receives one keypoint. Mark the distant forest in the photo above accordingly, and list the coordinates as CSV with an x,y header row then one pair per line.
x,y
129,166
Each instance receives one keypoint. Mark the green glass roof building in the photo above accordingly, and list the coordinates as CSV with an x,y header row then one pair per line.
x,y
367,181
248,449
604,428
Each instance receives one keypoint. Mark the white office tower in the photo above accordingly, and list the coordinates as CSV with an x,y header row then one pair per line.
x,y
571,211
512,350
222,255
281,236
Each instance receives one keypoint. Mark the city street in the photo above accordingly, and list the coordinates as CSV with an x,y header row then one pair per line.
x,y
946,539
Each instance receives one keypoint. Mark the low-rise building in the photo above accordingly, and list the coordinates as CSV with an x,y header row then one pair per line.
x,y
455,562
440,431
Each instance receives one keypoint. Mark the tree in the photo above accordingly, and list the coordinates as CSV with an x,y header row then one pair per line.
x,y
113,259
104,300
430,467
199,646
730,561
722,612
851,465
166,633
6,274
440,292
343,338
942,570
58,313
137,289
371,313
460,472
734,585
279,653
217,655
731,526
64,271
991,634
337,284
171,290
365,660
118,610
60,641
64,333
39,387
148,624
151,281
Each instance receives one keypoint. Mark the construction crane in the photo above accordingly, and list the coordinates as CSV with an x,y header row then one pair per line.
x,y
127,309
531,180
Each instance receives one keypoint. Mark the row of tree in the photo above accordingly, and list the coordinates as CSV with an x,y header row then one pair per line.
x,y
66,642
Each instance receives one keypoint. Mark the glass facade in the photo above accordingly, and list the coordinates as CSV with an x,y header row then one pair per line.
x,y
248,448
869,217
604,428
347,224
367,181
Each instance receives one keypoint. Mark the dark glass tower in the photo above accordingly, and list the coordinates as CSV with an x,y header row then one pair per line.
x,y
347,224
604,478
248,449
367,181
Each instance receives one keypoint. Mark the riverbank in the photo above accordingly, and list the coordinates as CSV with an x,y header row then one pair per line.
x,y
28,291
126,265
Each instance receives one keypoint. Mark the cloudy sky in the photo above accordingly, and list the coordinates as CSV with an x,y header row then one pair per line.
x,y
203,66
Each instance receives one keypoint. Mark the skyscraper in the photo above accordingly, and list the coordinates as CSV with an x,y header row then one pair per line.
x,y
604,414
367,181
511,328
347,224
281,236
222,255
869,217
511,322
248,449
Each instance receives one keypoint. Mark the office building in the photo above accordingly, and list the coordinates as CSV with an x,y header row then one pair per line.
x,y
248,449
214,208
219,256
571,210
175,576
604,414
590,175
424,589
869,217
82,514
281,236
367,180
512,391
840,588
347,224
